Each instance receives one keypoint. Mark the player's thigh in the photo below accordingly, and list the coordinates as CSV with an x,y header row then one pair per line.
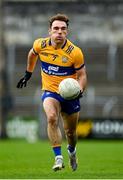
x,y
51,107
70,121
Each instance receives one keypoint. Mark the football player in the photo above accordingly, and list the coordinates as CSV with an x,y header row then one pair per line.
x,y
59,59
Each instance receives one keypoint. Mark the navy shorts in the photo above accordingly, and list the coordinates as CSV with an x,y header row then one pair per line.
x,y
67,106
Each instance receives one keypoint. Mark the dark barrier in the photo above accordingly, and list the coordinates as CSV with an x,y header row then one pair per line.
x,y
100,128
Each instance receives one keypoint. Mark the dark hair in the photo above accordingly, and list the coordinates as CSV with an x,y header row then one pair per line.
x,y
60,17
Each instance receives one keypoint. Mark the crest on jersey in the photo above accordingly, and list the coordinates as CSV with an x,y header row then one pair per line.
x,y
64,59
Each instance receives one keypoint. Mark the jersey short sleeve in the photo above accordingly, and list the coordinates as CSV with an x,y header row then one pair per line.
x,y
78,59
37,46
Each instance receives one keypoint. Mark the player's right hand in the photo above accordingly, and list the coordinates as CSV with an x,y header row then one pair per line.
x,y
23,81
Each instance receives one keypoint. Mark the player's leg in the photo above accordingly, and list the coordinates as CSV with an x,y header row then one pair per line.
x,y
70,125
52,110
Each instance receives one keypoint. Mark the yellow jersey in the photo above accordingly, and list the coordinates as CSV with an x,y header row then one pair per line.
x,y
57,64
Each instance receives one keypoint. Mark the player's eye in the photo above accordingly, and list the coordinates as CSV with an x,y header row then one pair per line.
x,y
63,28
56,28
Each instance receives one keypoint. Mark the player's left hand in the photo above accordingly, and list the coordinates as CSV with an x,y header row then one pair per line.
x,y
80,94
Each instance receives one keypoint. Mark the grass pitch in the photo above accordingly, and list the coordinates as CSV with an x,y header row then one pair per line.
x,y
97,160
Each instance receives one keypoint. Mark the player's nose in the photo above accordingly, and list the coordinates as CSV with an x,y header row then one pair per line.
x,y
59,31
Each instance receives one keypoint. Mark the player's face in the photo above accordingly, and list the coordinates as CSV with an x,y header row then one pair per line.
x,y
58,31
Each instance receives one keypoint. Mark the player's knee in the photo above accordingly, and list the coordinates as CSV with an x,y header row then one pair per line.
x,y
70,133
52,119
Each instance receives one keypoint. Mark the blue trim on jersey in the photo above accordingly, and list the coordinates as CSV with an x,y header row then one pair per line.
x,y
67,106
80,67
52,69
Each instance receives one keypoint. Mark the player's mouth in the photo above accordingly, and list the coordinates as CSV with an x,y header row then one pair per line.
x,y
59,38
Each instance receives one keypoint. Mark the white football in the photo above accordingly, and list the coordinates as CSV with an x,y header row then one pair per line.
x,y
69,88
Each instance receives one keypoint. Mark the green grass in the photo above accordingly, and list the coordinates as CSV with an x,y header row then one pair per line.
x,y
97,160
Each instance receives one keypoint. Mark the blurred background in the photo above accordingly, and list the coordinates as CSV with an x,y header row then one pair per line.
x,y
96,26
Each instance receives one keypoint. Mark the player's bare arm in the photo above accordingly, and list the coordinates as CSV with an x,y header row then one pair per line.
x,y
31,62
82,78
